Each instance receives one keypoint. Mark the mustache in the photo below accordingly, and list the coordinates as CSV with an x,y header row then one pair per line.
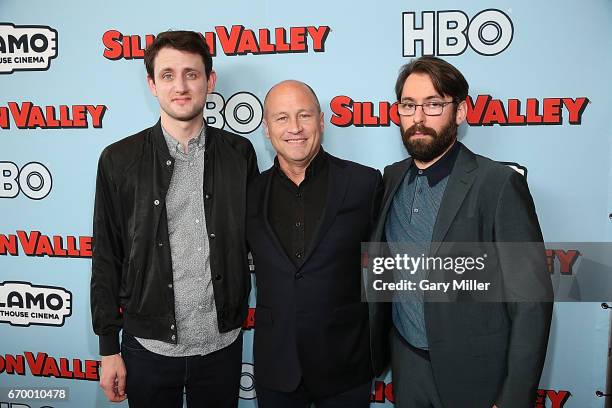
x,y
419,127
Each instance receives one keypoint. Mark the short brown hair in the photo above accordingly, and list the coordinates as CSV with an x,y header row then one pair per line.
x,y
446,79
188,41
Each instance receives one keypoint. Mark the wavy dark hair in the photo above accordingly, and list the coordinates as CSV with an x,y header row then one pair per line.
x,y
188,41
446,79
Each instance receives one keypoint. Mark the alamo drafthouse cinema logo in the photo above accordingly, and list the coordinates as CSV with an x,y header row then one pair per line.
x,y
24,304
26,47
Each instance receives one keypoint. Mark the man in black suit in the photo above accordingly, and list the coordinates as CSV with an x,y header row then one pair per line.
x,y
306,217
459,354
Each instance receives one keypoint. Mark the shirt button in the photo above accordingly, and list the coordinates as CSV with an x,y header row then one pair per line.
x,y
171,327
218,277
170,285
160,244
298,224
173,337
298,254
156,202
299,195
416,210
420,171
298,275
197,220
208,196
168,162
199,248
212,235
420,190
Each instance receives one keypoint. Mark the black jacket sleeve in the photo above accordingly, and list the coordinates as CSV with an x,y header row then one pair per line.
x,y
107,261
252,168
524,273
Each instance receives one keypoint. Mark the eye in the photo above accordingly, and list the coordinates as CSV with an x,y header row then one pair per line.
x,y
281,119
166,76
192,75
408,105
304,116
434,104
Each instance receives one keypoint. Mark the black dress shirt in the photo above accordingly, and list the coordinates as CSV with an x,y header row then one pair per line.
x,y
296,211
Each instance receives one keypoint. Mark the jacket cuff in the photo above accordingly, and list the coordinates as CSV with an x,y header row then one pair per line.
x,y
109,344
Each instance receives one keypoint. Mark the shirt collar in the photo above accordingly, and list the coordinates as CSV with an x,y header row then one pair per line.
x,y
440,169
313,168
174,146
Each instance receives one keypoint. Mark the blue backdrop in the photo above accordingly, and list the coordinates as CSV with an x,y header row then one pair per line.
x,y
72,81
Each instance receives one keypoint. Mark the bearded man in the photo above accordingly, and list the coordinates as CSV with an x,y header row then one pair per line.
x,y
458,354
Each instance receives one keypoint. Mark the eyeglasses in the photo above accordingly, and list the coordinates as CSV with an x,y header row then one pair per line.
x,y
433,108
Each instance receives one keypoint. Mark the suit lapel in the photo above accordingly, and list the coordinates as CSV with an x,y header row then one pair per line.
x,y
338,181
268,226
460,180
395,180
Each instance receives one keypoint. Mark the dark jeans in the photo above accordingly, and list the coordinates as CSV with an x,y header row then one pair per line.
x,y
154,380
358,397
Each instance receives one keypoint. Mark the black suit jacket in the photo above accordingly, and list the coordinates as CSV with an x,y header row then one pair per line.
x,y
481,353
310,323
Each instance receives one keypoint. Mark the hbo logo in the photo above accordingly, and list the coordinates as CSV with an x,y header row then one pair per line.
x,y
450,32
34,180
247,382
242,112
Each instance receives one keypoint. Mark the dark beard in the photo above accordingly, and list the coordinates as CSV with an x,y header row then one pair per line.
x,y
427,150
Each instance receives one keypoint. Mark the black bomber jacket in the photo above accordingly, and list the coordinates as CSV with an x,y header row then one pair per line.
x,y
131,280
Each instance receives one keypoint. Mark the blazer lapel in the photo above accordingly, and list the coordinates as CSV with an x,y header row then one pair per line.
x,y
395,180
337,187
460,180
268,226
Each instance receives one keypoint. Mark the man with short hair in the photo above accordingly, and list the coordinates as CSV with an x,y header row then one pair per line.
x,y
307,216
458,354
169,259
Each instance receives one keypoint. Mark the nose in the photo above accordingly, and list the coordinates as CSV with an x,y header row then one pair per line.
x,y
180,85
294,125
419,116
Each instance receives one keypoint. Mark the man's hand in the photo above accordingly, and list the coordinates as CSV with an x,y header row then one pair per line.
x,y
112,380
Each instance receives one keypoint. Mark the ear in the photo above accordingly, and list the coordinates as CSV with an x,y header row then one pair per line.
x,y
212,80
151,84
265,127
322,121
461,112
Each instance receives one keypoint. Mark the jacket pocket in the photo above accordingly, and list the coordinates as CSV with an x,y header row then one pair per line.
x,y
135,283
263,316
350,313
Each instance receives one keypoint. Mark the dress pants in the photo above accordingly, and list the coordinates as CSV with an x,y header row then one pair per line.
x,y
358,397
210,381
413,381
